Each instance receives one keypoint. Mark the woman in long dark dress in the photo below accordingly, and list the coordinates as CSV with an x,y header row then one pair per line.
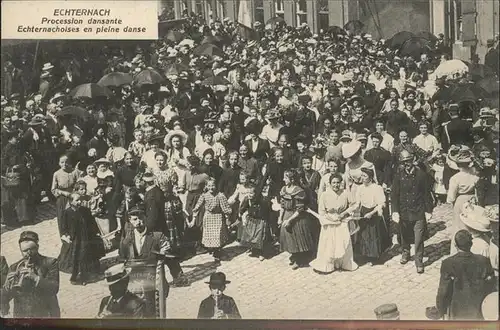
x,y
82,247
194,184
373,235
255,232
298,235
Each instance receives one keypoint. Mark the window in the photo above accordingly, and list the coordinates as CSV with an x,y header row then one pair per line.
x,y
279,8
323,15
301,12
259,11
199,7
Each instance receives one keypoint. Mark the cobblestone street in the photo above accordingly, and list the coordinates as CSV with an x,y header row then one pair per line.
x,y
270,289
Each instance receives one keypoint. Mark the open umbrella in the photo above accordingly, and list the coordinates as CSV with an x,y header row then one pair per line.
x,y
415,47
90,90
467,92
274,21
148,77
398,40
208,50
336,30
174,36
175,69
73,111
215,80
211,40
354,27
490,85
451,67
427,35
115,79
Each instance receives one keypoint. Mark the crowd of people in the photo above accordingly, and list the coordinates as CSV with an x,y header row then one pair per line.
x,y
325,145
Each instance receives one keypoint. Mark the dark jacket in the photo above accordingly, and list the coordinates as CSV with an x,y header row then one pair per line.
x,y
262,151
40,301
410,193
4,270
129,306
226,304
463,285
382,160
154,201
457,131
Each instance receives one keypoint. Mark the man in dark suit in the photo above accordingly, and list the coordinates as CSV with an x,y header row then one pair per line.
x,y
491,57
154,201
412,207
121,303
465,281
33,282
258,148
142,243
218,305
457,130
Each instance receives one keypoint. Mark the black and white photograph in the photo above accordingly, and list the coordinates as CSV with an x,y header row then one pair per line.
x,y
258,160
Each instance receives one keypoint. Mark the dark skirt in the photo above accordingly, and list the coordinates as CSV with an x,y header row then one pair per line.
x,y
303,234
61,205
373,236
192,235
255,233
87,258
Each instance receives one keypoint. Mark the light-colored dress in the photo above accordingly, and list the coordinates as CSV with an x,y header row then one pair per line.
x,y
335,246
461,189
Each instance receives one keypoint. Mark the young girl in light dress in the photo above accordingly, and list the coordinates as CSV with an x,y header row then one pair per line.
x,y
243,189
439,188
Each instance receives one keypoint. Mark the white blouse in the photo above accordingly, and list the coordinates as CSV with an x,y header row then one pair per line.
x,y
371,196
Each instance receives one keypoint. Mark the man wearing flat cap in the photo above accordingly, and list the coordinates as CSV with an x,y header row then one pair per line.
x,y
465,281
32,282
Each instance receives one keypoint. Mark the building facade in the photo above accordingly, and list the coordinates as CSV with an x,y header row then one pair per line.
x,y
466,24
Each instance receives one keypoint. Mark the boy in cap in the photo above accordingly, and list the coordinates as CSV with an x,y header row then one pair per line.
x,y
32,282
218,305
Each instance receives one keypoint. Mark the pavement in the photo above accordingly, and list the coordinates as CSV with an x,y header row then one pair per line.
x,y
269,289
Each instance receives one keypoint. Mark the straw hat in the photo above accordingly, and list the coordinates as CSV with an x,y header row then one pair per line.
x,y
47,66
350,148
102,161
176,132
116,273
474,217
460,154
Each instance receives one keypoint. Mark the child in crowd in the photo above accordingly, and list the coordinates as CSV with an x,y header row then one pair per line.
x,y
137,147
439,188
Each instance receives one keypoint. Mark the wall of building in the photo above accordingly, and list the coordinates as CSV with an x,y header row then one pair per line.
x,y
384,18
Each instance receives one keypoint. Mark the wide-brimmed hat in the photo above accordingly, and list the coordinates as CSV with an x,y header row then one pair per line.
x,y
102,161
346,136
350,148
491,212
355,98
460,154
273,114
474,216
35,121
116,273
47,66
218,278
57,97
361,137
176,132
432,313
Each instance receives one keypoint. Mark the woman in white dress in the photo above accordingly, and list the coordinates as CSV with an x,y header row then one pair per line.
x,y
355,162
334,247
462,185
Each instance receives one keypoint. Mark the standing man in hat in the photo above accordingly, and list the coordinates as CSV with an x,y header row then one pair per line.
x,y
121,303
457,131
465,281
412,207
491,57
218,305
32,282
